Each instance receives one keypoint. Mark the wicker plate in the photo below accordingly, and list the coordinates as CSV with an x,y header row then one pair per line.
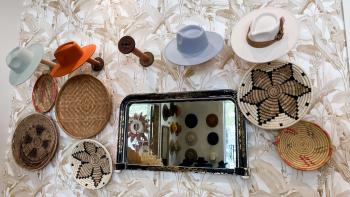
x,y
274,95
34,142
83,106
44,93
304,146
91,164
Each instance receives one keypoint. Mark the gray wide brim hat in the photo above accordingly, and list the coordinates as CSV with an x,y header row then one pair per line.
x,y
17,78
176,56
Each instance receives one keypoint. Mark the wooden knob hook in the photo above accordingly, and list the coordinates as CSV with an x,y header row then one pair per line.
x,y
127,44
97,64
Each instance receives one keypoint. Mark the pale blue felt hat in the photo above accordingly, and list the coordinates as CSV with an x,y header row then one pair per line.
x,y
193,46
23,62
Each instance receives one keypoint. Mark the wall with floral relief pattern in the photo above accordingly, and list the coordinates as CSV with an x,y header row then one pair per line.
x,y
320,51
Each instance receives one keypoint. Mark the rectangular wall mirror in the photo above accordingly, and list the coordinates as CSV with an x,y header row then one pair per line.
x,y
187,131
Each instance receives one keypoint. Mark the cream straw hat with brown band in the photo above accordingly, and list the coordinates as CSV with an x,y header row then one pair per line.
x,y
265,35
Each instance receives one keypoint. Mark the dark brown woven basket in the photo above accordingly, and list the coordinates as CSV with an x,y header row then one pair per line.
x,y
304,146
83,106
34,141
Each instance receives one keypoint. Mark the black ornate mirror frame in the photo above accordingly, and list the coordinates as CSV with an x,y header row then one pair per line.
x,y
215,95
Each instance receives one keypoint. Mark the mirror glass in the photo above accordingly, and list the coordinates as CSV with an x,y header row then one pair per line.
x,y
186,133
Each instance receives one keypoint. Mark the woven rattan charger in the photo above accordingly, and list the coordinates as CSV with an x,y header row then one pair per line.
x,y
34,142
274,95
304,146
83,106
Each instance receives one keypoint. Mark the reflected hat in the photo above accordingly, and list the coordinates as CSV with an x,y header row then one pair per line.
x,y
193,46
71,56
265,34
23,62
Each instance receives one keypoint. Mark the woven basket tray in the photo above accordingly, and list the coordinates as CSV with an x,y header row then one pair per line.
x,y
83,106
91,164
304,146
44,93
34,142
274,95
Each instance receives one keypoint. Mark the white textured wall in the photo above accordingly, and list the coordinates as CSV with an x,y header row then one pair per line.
x,y
9,38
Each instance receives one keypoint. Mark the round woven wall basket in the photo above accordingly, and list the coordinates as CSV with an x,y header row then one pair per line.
x,y
83,106
304,146
44,93
274,95
91,164
34,142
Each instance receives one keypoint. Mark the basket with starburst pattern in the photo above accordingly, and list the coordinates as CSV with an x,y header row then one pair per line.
x,y
304,146
91,164
83,106
274,95
34,142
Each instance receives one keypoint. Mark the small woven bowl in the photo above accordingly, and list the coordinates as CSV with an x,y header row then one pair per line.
x,y
274,95
34,141
91,164
44,93
304,146
83,106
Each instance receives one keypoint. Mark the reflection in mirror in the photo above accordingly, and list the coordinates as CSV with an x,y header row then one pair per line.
x,y
184,133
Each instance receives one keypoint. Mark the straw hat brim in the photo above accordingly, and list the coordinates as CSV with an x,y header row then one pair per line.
x,y
215,45
21,77
61,70
259,55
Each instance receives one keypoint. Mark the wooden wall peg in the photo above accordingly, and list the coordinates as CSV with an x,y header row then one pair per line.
x,y
97,64
127,44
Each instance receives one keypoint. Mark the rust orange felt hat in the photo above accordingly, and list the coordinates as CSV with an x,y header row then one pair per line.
x,y
71,56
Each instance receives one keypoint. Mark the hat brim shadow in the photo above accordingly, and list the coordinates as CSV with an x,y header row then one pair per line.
x,y
59,70
215,45
260,55
19,78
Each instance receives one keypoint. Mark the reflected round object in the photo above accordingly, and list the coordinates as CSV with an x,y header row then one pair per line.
x,y
91,164
191,138
136,126
304,146
34,142
83,106
165,112
44,93
213,138
274,95
212,120
191,121
191,155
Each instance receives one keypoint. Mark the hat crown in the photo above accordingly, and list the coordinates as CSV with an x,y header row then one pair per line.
x,y
19,59
191,39
264,27
68,53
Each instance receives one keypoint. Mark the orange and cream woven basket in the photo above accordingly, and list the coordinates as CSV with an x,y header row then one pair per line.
x,y
304,146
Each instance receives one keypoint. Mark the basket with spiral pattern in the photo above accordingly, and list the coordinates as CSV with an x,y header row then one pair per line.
x,y
274,95
83,106
44,93
34,142
304,146
91,164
